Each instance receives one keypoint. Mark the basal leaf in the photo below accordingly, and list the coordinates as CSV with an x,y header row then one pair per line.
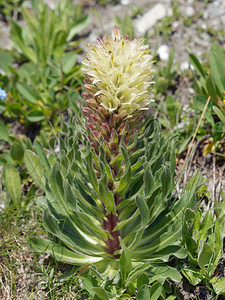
x,y
35,168
13,183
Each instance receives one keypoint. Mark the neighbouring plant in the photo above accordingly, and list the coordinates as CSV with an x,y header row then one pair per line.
x,y
15,177
109,203
203,236
211,82
41,76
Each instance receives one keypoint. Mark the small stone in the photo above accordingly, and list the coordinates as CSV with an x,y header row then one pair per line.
x,y
205,36
189,11
163,52
204,26
184,66
175,25
150,18
125,2
169,12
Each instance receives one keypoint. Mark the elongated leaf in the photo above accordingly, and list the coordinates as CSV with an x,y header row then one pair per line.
x,y
144,293
148,183
166,181
162,273
101,293
17,151
193,276
217,68
40,151
78,27
125,261
195,62
35,116
27,92
156,291
144,211
218,285
205,255
4,133
220,114
35,168
13,183
68,61
61,253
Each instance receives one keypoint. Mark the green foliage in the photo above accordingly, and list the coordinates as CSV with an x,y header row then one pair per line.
x,y
10,7
79,202
203,239
211,82
14,175
49,78
47,32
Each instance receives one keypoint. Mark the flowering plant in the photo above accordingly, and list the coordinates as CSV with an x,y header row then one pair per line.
x,y
109,203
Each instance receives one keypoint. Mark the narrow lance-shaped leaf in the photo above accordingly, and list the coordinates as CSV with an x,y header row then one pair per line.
x,y
35,168
13,183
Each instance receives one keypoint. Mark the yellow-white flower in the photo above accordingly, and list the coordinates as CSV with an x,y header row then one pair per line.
x,y
119,74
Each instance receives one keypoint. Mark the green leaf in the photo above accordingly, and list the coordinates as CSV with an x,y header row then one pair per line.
x,y
78,27
143,279
144,293
166,181
211,89
194,277
161,274
156,291
218,285
205,255
62,253
148,183
35,168
198,67
13,183
27,92
17,152
4,133
5,60
16,35
220,114
101,293
144,211
125,261
217,69
68,61
35,116
41,154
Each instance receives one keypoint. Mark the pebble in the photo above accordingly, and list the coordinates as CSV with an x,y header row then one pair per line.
x,y
149,19
175,25
184,66
189,11
125,2
163,52
204,26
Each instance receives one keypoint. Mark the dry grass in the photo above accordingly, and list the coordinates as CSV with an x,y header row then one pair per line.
x,y
23,274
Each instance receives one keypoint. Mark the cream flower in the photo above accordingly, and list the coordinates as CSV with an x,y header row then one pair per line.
x,y
119,74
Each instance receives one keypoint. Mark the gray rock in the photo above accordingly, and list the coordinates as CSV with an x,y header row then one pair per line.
x,y
189,11
163,52
125,2
150,18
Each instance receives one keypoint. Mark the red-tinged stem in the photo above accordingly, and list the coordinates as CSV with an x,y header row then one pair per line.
x,y
109,224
